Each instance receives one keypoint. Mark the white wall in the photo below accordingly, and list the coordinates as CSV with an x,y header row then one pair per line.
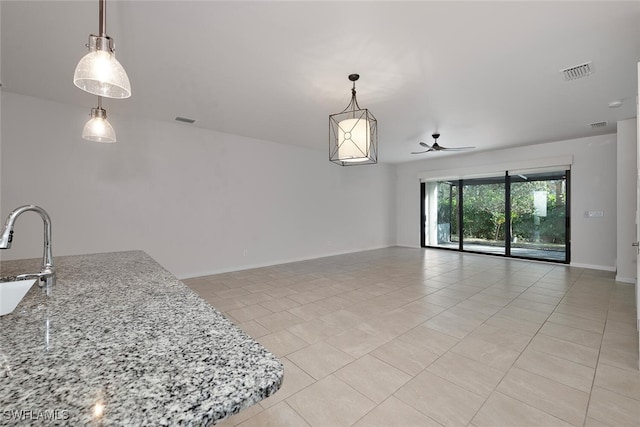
x,y
593,188
626,200
198,201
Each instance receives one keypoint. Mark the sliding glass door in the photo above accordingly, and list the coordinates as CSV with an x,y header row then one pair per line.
x,y
441,214
519,214
483,215
539,215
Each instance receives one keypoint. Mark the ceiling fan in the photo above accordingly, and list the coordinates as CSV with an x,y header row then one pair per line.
x,y
438,147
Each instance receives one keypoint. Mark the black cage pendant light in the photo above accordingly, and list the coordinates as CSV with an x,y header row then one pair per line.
x,y
353,134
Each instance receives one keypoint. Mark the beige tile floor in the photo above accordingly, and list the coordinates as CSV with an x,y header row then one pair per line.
x,y
411,337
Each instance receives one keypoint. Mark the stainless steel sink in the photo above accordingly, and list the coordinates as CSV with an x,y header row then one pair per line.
x,y
11,293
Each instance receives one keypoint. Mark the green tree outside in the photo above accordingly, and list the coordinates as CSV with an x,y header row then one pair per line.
x,y
484,217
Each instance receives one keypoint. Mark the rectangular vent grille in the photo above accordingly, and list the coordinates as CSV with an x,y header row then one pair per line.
x,y
185,120
597,125
577,72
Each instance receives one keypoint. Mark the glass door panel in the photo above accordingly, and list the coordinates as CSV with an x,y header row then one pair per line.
x,y
539,216
483,215
441,207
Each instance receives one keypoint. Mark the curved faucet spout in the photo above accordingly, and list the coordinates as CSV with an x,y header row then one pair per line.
x,y
6,237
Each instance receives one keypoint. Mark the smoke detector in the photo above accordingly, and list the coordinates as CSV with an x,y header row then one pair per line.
x,y
578,71
598,125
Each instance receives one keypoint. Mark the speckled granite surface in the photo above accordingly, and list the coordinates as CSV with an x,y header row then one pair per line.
x,y
121,333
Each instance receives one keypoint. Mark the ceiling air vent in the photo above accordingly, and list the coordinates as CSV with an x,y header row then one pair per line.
x,y
597,125
578,71
184,120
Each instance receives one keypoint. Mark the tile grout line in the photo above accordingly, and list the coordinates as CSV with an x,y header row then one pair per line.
x,y
398,283
520,355
595,372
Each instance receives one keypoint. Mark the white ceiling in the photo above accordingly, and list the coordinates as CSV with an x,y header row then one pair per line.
x,y
481,73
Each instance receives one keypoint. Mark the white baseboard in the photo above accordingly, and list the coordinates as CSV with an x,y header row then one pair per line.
x,y
593,266
276,262
297,259
631,280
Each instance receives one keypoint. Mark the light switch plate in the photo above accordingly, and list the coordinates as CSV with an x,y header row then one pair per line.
x,y
593,214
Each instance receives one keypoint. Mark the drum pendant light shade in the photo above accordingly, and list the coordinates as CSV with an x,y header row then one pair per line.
x,y
354,140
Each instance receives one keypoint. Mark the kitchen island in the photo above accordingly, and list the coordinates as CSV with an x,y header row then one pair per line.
x,y
121,341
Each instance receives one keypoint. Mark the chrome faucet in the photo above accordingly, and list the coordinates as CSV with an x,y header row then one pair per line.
x,y
47,275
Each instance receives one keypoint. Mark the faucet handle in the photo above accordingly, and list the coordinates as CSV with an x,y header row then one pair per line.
x,y
29,276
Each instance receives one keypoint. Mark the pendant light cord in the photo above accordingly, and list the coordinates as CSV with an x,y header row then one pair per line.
x,y
353,104
354,101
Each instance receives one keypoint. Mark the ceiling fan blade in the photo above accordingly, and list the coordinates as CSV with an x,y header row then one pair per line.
x,y
456,148
419,152
438,147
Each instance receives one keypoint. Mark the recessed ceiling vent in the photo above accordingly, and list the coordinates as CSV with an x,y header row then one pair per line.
x,y
597,125
185,120
578,71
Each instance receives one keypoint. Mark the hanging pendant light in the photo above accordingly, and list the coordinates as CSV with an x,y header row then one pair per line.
x,y
353,135
98,128
99,72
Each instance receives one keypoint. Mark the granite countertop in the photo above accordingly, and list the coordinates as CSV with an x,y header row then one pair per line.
x,y
123,342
